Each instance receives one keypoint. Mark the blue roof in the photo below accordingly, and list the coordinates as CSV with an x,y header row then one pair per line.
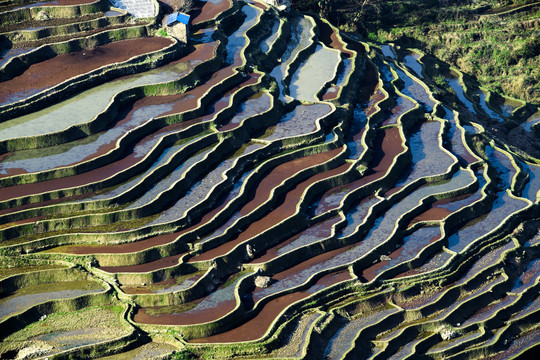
x,y
177,16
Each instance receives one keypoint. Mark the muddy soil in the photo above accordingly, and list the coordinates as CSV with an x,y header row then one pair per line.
x,y
256,327
389,141
60,68
129,160
435,212
173,104
199,317
330,39
286,209
323,231
207,10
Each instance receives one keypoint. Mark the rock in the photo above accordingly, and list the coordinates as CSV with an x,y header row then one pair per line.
x,y
42,15
35,349
263,281
250,250
447,334
281,5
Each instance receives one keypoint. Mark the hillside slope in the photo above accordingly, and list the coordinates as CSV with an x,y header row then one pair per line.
x,y
497,42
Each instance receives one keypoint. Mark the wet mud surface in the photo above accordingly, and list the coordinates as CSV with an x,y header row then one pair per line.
x,y
202,233
45,74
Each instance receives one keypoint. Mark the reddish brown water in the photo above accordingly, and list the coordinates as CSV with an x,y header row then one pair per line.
x,y
168,283
303,266
68,182
256,327
324,231
331,93
130,160
371,272
389,141
333,278
391,144
202,52
374,99
210,10
25,221
260,5
116,249
285,210
330,38
435,212
53,71
188,318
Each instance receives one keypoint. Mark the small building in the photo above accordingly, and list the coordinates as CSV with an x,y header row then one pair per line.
x,y
177,25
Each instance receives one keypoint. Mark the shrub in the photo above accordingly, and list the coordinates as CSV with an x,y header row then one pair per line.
x,y
373,37
440,80
162,32
530,49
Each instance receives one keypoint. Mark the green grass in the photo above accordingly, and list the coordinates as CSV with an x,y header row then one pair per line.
x,y
56,286
105,317
10,271
162,32
233,278
114,227
502,52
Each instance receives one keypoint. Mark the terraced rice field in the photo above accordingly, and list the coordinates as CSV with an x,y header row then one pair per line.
x,y
273,189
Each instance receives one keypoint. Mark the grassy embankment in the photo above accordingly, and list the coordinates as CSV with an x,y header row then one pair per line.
x,y
495,41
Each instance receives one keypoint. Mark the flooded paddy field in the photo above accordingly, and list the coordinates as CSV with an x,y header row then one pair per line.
x,y
39,76
328,208
67,331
